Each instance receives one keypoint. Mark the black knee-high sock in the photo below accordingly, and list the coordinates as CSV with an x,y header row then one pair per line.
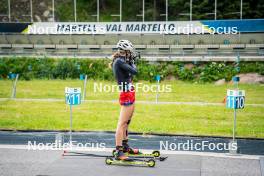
x,y
128,122
125,144
119,148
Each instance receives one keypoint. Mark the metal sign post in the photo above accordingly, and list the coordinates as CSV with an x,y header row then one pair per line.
x,y
84,77
14,77
235,100
158,81
72,97
70,123
59,140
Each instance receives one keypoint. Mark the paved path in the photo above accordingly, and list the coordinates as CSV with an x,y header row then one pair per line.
x,y
19,162
151,142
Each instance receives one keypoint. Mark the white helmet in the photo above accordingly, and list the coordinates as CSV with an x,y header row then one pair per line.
x,y
125,45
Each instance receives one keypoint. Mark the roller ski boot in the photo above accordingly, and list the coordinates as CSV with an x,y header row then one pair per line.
x,y
120,155
120,158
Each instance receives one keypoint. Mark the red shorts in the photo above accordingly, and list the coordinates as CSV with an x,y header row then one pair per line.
x,y
127,98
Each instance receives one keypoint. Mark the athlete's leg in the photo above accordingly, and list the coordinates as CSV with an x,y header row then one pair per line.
x,y
125,115
125,145
121,127
125,136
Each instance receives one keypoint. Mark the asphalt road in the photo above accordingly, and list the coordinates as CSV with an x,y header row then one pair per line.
x,y
19,162
151,142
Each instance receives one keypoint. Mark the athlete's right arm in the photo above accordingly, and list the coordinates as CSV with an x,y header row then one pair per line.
x,y
131,69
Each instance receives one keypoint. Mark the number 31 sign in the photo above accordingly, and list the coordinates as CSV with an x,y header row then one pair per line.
x,y
235,99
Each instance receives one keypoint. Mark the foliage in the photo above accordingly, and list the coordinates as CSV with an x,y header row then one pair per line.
x,y
47,68
215,71
252,9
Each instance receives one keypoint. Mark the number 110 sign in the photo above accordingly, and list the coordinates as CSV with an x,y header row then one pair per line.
x,y
72,96
235,99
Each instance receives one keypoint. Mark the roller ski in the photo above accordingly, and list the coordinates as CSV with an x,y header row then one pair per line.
x,y
154,155
130,162
135,153
132,153
120,158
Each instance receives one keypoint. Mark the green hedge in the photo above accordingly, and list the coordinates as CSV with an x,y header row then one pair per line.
x,y
47,68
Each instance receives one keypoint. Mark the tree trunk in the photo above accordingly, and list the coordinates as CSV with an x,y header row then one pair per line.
x,y
154,10
102,4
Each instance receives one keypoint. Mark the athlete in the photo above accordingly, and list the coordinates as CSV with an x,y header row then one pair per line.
x,y
124,68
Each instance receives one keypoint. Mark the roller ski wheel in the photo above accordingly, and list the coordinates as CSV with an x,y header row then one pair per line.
x,y
151,163
109,160
156,153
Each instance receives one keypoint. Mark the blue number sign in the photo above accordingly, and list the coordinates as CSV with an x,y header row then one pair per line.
x,y
72,96
82,76
157,78
235,99
12,76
